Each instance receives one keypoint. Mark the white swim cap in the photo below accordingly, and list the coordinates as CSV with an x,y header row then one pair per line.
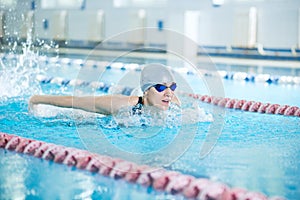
x,y
153,74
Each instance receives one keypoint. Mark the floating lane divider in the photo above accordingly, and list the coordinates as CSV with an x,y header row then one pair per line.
x,y
99,86
238,76
160,179
251,106
262,78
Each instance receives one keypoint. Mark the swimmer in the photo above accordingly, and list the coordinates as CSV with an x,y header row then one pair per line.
x,y
157,83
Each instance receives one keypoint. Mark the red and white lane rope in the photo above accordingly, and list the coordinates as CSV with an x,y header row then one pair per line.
x,y
252,106
160,179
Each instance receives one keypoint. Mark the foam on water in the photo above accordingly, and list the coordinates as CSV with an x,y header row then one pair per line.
x,y
17,82
173,117
150,116
49,111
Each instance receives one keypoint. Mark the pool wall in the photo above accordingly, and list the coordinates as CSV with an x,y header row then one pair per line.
x,y
68,27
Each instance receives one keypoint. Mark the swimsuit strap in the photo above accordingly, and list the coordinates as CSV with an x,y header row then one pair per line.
x,y
140,100
137,109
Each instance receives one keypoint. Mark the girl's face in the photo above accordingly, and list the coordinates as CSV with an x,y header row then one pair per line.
x,y
160,95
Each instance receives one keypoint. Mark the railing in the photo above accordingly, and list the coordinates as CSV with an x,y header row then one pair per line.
x,y
258,52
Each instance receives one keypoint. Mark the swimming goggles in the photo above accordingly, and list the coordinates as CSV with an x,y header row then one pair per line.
x,y
160,87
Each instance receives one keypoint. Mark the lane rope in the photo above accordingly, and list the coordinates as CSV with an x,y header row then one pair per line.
x,y
160,179
251,106
234,75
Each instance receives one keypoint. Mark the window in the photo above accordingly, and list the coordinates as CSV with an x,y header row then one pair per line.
x,y
252,26
62,4
7,4
139,3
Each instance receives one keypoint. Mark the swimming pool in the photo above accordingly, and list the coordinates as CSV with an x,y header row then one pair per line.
x,y
255,151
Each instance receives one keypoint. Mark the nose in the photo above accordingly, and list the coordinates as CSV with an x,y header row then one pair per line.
x,y
168,92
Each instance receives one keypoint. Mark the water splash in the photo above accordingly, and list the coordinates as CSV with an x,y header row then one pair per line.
x,y
20,65
19,80
174,117
18,72
150,116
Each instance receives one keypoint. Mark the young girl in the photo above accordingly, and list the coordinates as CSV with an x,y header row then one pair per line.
x,y
157,83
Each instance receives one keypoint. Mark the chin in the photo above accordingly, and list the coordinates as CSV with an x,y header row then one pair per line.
x,y
164,107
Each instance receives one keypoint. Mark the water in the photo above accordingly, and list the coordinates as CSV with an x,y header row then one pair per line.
x,y
40,179
257,151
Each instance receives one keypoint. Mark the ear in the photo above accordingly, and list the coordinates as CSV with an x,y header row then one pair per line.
x,y
145,98
146,93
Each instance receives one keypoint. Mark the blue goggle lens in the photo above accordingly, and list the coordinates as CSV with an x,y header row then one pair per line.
x,y
160,87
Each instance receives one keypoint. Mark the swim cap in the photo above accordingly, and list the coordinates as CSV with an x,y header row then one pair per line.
x,y
153,74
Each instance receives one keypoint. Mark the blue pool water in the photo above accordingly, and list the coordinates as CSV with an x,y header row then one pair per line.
x,y
260,152
31,178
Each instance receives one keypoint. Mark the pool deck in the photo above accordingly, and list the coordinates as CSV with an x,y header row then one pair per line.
x,y
215,59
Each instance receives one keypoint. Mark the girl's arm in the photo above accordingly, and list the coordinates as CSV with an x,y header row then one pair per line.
x,y
100,104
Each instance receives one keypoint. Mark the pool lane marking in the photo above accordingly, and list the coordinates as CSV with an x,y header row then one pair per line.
x,y
251,106
239,76
160,179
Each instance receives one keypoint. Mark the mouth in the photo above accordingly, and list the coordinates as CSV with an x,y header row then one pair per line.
x,y
166,101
